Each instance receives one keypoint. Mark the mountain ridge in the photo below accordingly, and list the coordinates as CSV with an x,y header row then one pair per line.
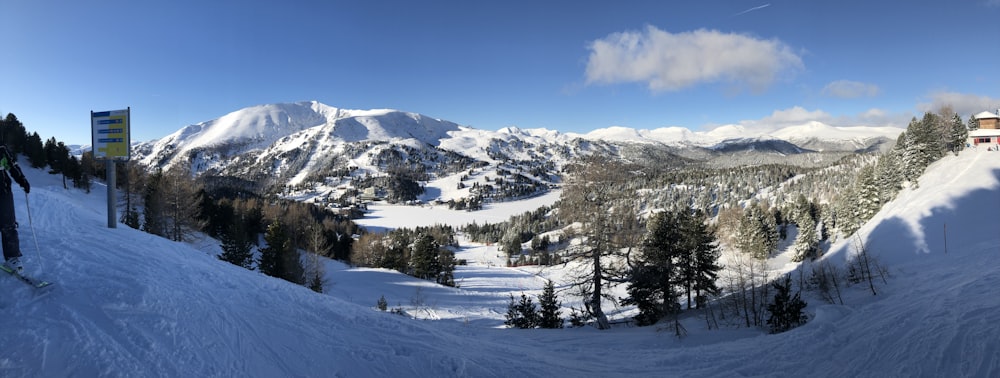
x,y
309,144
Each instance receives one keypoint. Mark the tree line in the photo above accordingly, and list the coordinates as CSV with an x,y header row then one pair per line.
x,y
51,153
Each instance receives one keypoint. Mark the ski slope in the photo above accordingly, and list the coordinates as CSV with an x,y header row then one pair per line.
x,y
130,304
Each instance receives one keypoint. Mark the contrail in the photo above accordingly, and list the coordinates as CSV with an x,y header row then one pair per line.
x,y
752,9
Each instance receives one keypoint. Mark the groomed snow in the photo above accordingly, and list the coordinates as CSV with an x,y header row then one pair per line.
x,y
129,304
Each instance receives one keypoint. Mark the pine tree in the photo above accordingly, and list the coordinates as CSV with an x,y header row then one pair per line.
x,y
548,316
706,260
888,175
652,285
35,151
237,246
959,134
271,262
786,309
424,258
868,197
521,314
697,255
972,123
13,134
382,304
446,267
757,233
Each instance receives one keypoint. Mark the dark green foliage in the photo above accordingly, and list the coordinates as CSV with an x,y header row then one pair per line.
x,y
279,258
579,318
430,261
679,257
422,252
35,151
424,262
316,283
446,264
651,291
131,217
237,247
757,233
13,134
521,314
786,309
652,286
705,269
959,134
548,316
382,304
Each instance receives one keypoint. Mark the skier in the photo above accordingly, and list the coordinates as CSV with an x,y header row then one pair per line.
x,y
8,225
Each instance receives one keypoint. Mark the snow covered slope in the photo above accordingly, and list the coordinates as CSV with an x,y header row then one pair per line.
x,y
130,304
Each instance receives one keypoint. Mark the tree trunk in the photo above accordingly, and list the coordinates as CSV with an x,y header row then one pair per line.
x,y
595,299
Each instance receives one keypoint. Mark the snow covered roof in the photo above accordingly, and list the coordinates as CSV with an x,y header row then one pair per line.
x,y
984,132
985,115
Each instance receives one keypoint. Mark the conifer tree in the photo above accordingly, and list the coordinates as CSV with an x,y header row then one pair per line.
x,y
786,309
652,286
521,314
423,260
757,233
697,255
888,175
35,151
548,316
271,262
868,198
972,123
13,134
237,246
446,266
959,134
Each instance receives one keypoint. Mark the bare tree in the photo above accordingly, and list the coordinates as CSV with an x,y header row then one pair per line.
x,y
604,225
181,197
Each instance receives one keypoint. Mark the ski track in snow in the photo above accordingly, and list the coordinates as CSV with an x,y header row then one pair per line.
x,y
130,304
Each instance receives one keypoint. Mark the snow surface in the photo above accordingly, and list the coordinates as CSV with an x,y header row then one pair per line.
x,y
127,303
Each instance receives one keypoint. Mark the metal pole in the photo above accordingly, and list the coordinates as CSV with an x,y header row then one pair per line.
x,y
112,211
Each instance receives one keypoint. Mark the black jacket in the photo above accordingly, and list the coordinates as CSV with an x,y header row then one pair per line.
x,y
11,170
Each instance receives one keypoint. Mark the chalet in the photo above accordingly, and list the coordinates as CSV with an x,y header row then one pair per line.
x,y
989,129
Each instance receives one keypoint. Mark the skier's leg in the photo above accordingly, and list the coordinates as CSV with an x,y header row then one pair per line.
x,y
8,226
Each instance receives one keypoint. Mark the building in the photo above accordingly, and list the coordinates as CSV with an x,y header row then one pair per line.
x,y
989,129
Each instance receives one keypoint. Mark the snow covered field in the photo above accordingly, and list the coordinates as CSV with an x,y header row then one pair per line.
x,y
127,303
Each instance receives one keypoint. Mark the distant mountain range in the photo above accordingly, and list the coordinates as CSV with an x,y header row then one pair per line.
x,y
310,149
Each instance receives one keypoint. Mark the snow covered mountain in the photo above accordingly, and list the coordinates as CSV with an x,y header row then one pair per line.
x,y
127,303
309,149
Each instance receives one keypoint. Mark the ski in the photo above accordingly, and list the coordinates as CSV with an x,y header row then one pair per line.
x,y
38,284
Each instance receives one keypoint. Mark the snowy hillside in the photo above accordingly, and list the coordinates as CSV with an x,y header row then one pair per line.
x,y
309,150
127,303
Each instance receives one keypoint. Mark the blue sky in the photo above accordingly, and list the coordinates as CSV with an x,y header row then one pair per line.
x,y
572,66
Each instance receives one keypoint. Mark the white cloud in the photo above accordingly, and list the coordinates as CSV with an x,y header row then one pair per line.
x,y
797,116
786,117
964,104
669,62
993,3
850,89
